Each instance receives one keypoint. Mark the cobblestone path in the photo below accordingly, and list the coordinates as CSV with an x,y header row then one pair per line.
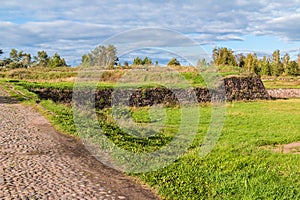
x,y
37,162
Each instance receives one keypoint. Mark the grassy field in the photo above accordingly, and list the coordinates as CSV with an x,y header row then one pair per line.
x,y
281,82
40,73
63,78
237,168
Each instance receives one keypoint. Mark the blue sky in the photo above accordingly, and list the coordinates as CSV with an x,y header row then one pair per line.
x,y
74,27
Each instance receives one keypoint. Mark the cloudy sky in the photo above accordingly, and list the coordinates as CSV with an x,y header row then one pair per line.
x,y
74,27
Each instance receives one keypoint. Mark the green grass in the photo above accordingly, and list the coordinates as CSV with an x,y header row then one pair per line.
x,y
60,115
237,168
63,78
39,73
18,91
59,85
101,85
281,82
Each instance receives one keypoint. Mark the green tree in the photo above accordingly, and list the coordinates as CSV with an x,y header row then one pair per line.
x,y
137,61
26,60
292,68
224,56
265,66
240,59
1,52
57,61
174,62
14,55
18,59
41,59
285,62
101,56
147,61
6,62
277,66
85,60
251,63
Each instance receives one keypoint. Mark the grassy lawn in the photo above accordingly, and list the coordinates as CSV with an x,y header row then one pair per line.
x,y
63,78
237,168
281,82
282,85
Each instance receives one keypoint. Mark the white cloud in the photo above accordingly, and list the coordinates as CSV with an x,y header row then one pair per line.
x,y
287,26
75,26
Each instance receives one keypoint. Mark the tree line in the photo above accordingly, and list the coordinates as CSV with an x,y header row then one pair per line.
x,y
274,65
20,59
107,57
269,66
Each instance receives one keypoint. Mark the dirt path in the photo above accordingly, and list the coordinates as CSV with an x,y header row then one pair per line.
x,y
38,162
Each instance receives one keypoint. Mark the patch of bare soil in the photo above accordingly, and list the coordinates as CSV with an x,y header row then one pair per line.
x,y
293,148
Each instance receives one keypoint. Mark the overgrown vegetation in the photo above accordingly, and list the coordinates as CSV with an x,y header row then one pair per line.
x,y
268,66
106,57
63,78
237,168
20,59
285,82
41,74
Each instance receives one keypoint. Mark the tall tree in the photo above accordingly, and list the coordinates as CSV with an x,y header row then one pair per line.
x,y
41,59
292,68
240,59
26,60
147,61
224,56
251,63
265,66
103,56
18,59
14,55
57,61
1,52
137,61
277,66
85,60
285,62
